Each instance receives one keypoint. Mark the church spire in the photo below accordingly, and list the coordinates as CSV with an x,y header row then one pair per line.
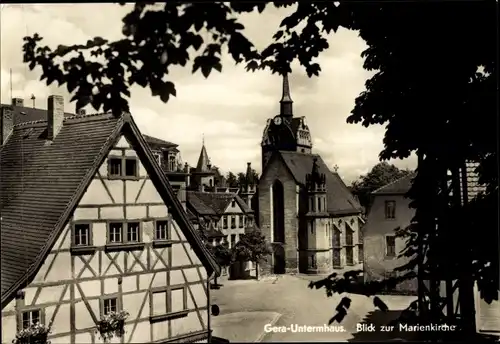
x,y
203,164
286,101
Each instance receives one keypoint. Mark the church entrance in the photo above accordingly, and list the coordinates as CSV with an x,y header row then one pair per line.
x,y
279,260
278,227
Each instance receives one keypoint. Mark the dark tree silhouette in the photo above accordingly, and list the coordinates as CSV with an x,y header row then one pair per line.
x,y
231,180
434,87
381,174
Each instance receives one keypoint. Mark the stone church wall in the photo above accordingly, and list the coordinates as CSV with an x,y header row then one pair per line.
x,y
277,170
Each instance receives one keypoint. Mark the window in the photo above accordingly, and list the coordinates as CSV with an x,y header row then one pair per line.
x,y
233,240
126,233
319,204
109,305
225,241
349,255
168,303
390,209
313,261
349,236
31,318
122,167
115,232
157,157
133,231
250,222
171,162
336,236
224,222
162,230
390,243
115,167
311,224
233,221
81,234
240,221
131,167
233,203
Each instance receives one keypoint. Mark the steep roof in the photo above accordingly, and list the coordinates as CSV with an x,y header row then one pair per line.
x,y
214,203
24,114
41,184
340,201
156,142
398,187
203,161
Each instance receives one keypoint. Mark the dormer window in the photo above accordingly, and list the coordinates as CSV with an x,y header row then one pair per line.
x,y
157,157
171,162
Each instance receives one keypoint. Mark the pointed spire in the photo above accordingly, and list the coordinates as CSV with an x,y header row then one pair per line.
x,y
249,175
286,100
203,164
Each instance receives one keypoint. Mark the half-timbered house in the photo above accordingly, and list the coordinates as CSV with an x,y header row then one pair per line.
x,y
89,226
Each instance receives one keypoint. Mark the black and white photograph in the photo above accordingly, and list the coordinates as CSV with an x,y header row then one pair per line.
x,y
217,172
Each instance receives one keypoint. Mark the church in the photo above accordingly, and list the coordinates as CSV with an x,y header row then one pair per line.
x,y
305,210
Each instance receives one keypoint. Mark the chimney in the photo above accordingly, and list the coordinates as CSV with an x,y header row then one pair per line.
x,y
6,123
55,116
17,102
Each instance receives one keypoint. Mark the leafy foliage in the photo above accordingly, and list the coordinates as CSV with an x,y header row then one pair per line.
x,y
231,180
381,174
34,334
222,254
237,180
112,325
252,246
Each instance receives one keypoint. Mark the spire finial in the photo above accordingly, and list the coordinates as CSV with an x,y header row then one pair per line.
x,y
286,100
203,139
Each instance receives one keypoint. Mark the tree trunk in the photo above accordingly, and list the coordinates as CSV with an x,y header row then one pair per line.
x,y
257,271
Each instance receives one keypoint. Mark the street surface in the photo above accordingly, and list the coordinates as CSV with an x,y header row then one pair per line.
x,y
298,305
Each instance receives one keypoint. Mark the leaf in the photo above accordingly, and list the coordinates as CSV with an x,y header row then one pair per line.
x,y
164,90
278,35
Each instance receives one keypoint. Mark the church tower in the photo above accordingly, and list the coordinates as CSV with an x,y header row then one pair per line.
x,y
249,186
317,221
285,132
202,176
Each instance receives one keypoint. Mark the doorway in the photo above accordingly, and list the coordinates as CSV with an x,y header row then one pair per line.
x,y
279,260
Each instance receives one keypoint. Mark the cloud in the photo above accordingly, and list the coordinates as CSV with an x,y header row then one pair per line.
x,y
229,109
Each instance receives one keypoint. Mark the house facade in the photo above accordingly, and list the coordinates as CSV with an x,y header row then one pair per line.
x,y
90,226
389,210
305,209
223,215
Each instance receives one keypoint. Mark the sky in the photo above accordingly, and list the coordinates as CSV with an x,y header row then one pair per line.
x,y
229,109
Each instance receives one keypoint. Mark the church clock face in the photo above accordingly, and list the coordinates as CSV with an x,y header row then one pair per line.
x,y
277,120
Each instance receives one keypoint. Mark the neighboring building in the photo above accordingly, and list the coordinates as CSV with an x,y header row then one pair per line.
x,y
305,210
389,210
90,225
223,215
168,157
204,177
